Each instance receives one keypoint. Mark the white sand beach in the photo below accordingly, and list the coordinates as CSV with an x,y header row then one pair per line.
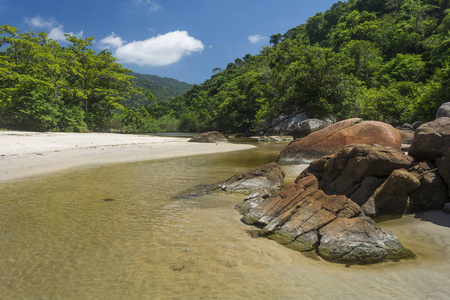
x,y
24,154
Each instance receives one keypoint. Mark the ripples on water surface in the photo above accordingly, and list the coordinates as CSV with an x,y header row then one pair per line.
x,y
122,232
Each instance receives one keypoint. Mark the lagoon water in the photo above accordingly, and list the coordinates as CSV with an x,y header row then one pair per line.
x,y
131,231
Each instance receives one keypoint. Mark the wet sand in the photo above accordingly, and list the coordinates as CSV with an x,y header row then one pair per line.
x,y
24,154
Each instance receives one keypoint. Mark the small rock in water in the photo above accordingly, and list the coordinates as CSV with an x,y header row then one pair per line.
x,y
446,208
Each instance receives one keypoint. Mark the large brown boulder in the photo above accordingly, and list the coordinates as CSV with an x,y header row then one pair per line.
x,y
335,137
432,192
304,218
431,140
392,196
269,177
209,137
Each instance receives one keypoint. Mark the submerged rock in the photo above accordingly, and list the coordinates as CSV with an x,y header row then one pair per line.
x,y
269,177
209,137
335,137
304,218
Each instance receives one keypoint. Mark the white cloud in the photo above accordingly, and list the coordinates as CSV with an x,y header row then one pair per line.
x,y
112,40
157,51
152,5
58,34
40,22
256,38
56,30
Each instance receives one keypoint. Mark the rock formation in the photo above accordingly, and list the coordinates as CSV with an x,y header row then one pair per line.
x,y
209,137
381,180
304,218
269,177
443,165
431,140
335,137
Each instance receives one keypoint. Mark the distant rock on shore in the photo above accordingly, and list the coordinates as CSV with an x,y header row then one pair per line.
x,y
443,111
209,137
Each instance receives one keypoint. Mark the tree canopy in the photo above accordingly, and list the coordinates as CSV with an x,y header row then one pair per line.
x,y
374,59
44,86
377,59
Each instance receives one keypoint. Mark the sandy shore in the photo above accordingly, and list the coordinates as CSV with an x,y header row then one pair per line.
x,y
24,154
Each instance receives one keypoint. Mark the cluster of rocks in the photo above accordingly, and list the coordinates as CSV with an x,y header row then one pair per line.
x,y
381,180
364,174
304,218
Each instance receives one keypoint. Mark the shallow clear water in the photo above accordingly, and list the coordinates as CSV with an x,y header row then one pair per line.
x,y
125,231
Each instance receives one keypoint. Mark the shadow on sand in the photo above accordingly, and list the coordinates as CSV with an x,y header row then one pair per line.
x,y
437,217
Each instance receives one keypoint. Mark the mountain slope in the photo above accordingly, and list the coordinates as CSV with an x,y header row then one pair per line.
x,y
163,88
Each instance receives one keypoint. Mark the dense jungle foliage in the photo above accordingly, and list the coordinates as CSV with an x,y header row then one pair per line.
x,y
375,59
44,86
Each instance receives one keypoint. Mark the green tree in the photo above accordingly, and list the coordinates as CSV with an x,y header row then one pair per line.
x,y
48,87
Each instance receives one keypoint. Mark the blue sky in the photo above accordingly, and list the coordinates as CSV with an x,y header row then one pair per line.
x,y
182,39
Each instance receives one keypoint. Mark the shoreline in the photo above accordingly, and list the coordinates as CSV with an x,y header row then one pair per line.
x,y
25,154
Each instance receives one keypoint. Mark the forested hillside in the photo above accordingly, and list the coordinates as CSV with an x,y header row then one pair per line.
x,y
375,59
163,88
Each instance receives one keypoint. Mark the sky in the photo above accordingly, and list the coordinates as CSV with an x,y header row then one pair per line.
x,y
181,39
